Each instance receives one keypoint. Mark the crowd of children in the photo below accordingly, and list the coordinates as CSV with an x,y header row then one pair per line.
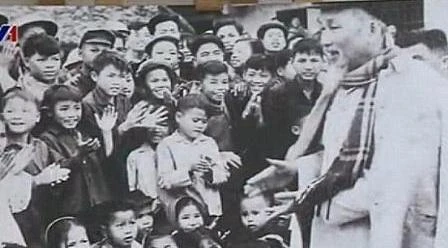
x,y
152,152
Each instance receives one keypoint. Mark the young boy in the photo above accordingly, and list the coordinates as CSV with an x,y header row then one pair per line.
x,y
42,58
93,42
164,50
294,96
32,203
255,216
145,208
118,224
164,24
109,75
246,110
214,81
229,31
273,36
207,47
189,161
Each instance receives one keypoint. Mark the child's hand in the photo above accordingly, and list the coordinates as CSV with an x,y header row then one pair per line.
x,y
200,167
164,184
87,146
22,159
135,116
73,80
203,165
152,119
168,97
13,163
231,160
253,107
239,89
108,119
8,53
53,174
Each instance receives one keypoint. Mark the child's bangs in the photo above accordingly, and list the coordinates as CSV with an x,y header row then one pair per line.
x,y
49,50
58,93
17,92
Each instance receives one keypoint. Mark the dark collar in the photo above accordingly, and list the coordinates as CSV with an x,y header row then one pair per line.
x,y
57,130
100,98
17,146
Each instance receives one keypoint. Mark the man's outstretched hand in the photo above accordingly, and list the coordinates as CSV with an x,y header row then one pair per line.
x,y
278,175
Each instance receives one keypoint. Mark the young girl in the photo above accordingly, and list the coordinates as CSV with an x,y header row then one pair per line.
x,y
154,83
189,217
66,232
87,186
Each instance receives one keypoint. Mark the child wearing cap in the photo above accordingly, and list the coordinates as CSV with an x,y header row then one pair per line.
x,y
273,36
93,42
42,58
164,24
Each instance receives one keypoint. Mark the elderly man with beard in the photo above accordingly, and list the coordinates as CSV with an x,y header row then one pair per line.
x,y
381,119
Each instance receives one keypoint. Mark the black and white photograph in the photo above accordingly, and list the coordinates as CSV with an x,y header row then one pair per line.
x,y
306,125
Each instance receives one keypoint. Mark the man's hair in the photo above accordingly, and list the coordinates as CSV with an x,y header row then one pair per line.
x,y
260,62
105,211
356,11
210,68
159,19
150,46
434,39
106,58
265,27
308,46
282,58
204,39
42,44
226,21
18,92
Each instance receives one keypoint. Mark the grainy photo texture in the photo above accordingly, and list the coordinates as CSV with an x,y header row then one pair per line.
x,y
318,125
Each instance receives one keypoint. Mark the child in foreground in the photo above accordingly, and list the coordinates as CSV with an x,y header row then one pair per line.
x,y
118,225
66,232
189,161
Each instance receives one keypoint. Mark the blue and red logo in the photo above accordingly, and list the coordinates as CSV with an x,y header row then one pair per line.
x,y
9,32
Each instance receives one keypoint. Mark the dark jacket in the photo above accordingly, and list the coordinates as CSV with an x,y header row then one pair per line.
x,y
283,105
86,186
